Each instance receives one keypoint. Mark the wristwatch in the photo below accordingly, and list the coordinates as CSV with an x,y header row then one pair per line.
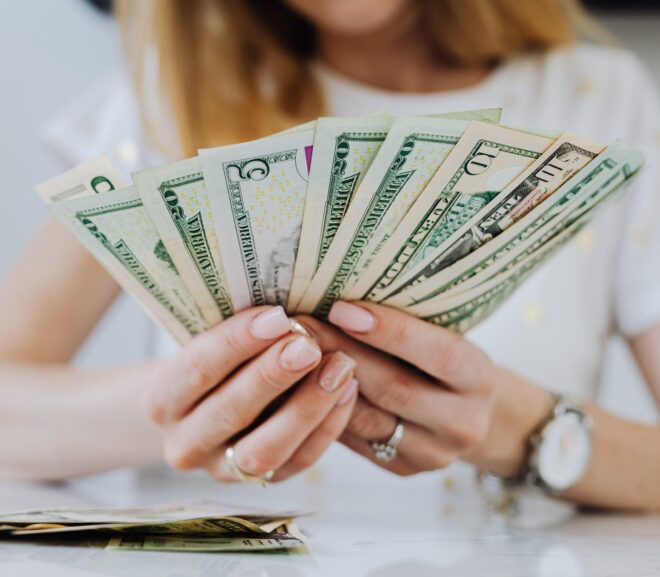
x,y
558,457
560,448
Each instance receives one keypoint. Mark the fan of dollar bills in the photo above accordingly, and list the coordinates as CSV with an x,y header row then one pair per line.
x,y
196,526
442,216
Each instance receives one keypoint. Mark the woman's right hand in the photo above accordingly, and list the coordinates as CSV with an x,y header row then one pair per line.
x,y
220,382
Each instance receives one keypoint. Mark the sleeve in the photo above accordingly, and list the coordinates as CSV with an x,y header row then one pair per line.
x,y
102,119
637,283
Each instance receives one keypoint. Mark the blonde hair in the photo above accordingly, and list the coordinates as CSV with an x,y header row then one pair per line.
x,y
232,70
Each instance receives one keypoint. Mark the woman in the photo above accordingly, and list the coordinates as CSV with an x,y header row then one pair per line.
x,y
230,70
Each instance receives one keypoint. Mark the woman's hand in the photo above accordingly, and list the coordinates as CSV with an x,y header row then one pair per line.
x,y
434,380
221,382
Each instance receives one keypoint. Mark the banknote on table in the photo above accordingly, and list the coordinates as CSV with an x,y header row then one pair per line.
x,y
569,207
205,544
480,165
200,526
176,199
115,227
257,193
567,156
162,513
93,176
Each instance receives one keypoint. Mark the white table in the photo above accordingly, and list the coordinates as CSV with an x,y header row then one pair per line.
x,y
416,527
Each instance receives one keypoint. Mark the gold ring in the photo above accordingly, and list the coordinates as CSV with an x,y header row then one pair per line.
x,y
241,475
299,328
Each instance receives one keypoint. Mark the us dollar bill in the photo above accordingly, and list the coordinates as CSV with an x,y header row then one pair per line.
x,y
344,149
176,199
343,152
179,512
464,308
482,163
204,543
257,194
93,176
563,159
603,179
115,227
414,149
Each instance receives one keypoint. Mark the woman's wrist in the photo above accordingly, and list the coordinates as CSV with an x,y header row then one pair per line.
x,y
518,409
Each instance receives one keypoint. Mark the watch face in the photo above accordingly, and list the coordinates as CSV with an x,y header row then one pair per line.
x,y
564,452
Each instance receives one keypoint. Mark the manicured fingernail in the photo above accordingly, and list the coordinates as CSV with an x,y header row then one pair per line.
x,y
270,324
299,354
351,317
335,371
348,393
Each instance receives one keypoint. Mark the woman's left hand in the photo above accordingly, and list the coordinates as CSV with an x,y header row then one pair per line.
x,y
434,380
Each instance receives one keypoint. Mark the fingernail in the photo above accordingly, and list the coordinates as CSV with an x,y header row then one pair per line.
x,y
335,371
299,354
348,393
351,317
270,324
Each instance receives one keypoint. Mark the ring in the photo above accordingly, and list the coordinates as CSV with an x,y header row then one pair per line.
x,y
299,328
241,475
387,452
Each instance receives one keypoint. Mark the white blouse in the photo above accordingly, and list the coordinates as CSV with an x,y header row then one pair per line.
x,y
553,330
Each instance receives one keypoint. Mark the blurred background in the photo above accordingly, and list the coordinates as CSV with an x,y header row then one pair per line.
x,y
53,51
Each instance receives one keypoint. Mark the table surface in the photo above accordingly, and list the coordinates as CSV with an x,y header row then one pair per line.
x,y
417,527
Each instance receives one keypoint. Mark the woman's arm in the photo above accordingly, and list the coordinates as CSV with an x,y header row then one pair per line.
x,y
61,421
58,422
625,465
646,349
457,404
52,298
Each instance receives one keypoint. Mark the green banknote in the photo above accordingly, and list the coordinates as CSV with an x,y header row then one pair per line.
x,y
559,163
462,300
257,196
481,164
411,154
203,543
92,177
344,149
115,227
176,199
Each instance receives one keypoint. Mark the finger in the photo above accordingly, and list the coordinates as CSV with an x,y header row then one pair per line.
x,y
311,449
216,465
399,466
235,405
210,357
436,351
394,387
316,444
421,448
273,443
461,420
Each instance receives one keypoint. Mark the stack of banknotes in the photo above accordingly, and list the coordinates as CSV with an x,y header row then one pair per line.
x,y
197,526
443,216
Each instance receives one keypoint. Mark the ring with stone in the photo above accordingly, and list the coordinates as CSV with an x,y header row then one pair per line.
x,y
242,476
387,452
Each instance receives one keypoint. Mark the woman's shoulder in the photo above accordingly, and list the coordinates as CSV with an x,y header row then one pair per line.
x,y
103,119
